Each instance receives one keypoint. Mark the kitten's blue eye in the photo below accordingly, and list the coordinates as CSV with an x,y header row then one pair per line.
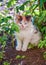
x,y
25,23
20,22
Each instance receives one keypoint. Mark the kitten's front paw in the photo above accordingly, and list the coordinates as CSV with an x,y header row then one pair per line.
x,y
24,49
18,48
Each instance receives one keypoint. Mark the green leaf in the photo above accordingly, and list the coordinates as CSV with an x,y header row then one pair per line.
x,y
11,3
44,0
41,3
17,9
21,7
1,55
15,27
6,63
23,57
18,57
44,55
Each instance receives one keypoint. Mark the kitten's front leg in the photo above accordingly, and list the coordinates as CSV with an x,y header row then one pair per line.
x,y
25,45
19,45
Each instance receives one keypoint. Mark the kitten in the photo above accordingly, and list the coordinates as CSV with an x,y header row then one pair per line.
x,y
28,33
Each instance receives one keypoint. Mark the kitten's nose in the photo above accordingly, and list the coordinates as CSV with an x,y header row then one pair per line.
x,y
23,26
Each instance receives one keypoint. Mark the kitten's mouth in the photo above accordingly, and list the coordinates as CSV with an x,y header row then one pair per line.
x,y
22,28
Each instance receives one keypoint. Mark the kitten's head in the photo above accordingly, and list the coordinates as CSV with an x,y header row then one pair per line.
x,y
23,21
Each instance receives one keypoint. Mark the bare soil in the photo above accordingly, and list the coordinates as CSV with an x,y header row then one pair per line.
x,y
32,56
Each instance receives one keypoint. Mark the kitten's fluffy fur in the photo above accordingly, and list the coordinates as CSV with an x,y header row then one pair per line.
x,y
28,33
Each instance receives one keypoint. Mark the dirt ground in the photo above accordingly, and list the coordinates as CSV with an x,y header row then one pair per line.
x,y
32,56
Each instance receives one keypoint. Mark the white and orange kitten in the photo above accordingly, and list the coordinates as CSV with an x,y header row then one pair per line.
x,y
28,33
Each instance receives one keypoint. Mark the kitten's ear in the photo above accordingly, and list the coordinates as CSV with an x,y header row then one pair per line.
x,y
28,18
18,17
